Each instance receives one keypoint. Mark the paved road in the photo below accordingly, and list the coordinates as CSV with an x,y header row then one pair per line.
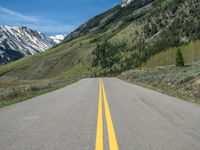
x,y
85,114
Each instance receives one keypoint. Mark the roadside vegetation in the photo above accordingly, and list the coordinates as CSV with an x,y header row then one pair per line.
x,y
175,71
15,95
13,90
182,82
17,92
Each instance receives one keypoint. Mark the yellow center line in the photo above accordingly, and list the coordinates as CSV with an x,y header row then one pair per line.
x,y
111,132
99,133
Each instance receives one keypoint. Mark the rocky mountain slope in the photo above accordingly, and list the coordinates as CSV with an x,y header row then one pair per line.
x,y
120,39
58,38
16,42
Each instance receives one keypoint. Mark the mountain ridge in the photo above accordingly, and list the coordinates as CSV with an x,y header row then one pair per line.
x,y
16,42
58,38
117,40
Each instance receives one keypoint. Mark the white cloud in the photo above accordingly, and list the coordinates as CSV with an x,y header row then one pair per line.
x,y
14,18
16,15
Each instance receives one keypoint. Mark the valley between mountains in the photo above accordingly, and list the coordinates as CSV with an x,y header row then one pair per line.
x,y
129,36
128,78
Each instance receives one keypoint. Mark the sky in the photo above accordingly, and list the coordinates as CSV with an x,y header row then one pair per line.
x,y
51,16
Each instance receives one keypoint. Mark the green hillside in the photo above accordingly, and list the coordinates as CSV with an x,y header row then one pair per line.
x,y
76,51
120,39
151,29
50,63
191,53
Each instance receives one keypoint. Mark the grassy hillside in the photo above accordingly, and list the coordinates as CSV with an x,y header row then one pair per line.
x,y
49,64
44,72
150,29
110,43
133,34
191,53
76,50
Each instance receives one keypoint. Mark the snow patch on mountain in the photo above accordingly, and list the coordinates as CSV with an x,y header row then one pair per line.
x,y
58,38
125,3
16,42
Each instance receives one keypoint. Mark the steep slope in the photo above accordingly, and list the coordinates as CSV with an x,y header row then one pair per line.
x,y
113,20
152,28
117,40
58,38
16,42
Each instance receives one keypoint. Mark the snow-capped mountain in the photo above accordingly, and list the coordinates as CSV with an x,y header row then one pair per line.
x,y
125,3
58,38
16,42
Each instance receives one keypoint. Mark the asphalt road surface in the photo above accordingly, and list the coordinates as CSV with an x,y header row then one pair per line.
x,y
92,114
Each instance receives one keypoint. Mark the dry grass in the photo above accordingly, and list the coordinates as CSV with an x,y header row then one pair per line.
x,y
180,82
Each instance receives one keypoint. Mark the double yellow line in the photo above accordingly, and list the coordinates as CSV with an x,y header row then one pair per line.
x,y
110,128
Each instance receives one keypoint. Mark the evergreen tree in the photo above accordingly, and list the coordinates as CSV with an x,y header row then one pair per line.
x,y
179,59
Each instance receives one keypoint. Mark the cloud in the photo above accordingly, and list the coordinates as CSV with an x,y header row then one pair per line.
x,y
16,15
47,26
